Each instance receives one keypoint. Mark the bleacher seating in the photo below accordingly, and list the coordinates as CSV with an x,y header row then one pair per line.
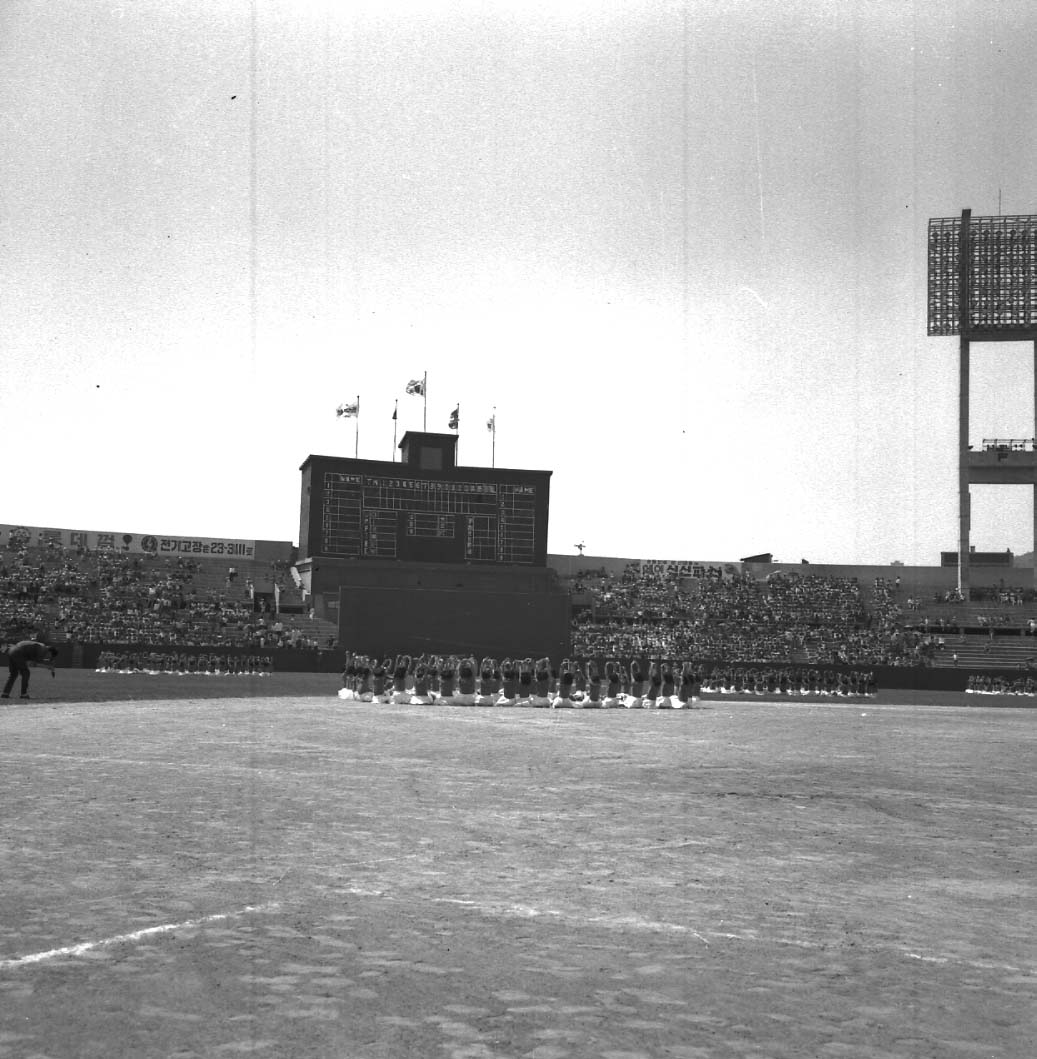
x,y
120,597
658,609
727,616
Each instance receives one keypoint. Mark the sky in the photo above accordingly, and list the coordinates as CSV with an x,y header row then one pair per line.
x,y
678,249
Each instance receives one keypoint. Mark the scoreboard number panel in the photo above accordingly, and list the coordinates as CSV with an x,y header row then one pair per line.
x,y
425,520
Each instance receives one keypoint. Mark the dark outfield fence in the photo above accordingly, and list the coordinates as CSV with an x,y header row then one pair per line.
x,y
284,660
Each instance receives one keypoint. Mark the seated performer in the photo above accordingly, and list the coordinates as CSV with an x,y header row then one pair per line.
x,y
365,681
614,685
400,677
593,677
563,699
349,673
541,684
465,694
690,686
634,698
668,692
381,683
489,683
653,689
423,674
508,695
525,683
447,679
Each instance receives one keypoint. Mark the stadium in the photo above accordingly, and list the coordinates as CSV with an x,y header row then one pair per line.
x,y
211,848
313,748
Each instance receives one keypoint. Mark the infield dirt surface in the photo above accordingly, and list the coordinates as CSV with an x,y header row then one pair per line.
x,y
284,874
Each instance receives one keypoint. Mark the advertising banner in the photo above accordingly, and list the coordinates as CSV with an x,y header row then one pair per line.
x,y
15,537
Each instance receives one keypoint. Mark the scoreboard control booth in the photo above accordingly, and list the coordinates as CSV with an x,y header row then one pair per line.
x,y
423,556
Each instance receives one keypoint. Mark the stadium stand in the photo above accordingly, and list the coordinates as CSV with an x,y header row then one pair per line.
x,y
66,594
720,614
730,616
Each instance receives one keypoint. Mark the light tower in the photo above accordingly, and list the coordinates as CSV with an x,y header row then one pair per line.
x,y
983,288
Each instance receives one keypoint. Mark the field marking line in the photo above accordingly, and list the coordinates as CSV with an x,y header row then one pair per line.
x,y
136,935
504,908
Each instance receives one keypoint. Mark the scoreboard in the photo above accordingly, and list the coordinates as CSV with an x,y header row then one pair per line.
x,y
361,509
385,517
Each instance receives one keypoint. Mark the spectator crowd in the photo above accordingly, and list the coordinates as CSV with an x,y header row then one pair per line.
x,y
111,597
728,616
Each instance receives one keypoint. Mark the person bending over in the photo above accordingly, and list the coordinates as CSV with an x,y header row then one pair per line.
x,y
20,657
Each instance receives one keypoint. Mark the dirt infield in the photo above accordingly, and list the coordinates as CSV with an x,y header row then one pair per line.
x,y
286,875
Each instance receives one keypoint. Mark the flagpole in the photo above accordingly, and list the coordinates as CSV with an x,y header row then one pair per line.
x,y
394,421
356,441
424,398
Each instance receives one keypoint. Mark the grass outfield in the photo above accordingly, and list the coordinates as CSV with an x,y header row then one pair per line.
x,y
275,872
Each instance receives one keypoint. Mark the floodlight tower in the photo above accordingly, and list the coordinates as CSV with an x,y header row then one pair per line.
x,y
983,288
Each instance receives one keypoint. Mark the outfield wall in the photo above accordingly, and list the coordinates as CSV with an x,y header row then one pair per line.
x,y
904,678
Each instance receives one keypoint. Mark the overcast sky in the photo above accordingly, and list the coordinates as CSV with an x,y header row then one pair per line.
x,y
680,248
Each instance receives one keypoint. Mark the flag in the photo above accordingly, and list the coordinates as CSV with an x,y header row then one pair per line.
x,y
349,410
394,413
491,423
416,386
455,415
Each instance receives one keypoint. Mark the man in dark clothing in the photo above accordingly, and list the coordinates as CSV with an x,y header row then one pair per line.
x,y
18,659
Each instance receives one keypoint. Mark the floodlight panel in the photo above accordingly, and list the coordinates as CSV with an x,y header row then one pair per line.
x,y
1000,279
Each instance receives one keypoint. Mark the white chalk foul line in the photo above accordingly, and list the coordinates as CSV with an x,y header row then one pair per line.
x,y
136,935
506,909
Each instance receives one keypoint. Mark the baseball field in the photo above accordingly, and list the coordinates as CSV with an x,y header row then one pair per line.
x,y
209,866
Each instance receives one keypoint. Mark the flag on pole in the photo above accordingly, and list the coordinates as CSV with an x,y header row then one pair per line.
x,y
347,411
455,417
491,423
416,386
394,412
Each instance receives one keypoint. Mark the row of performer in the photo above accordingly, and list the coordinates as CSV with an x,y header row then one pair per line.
x,y
182,663
587,685
988,685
